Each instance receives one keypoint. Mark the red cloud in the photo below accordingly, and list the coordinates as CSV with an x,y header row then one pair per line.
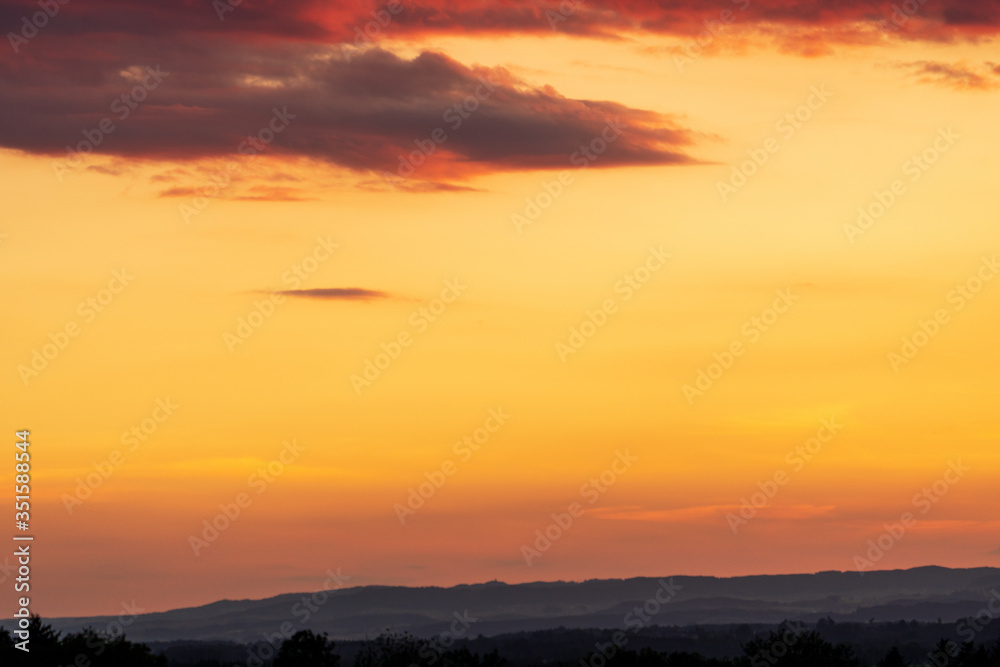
x,y
337,22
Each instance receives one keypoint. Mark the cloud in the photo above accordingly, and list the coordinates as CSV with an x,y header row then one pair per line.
x,y
868,21
377,185
180,192
273,193
333,21
955,75
229,76
108,170
702,513
335,293
429,117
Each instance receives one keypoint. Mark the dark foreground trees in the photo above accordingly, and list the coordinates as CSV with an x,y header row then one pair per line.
x,y
893,659
306,649
7,649
392,649
790,647
647,657
91,648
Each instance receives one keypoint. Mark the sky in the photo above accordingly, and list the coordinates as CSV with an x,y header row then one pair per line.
x,y
430,293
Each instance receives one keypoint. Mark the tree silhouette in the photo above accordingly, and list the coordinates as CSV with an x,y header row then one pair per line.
x,y
89,647
465,658
647,657
790,649
307,649
391,649
404,650
107,650
893,659
972,656
7,650
44,643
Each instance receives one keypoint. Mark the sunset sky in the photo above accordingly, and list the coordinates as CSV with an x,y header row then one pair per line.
x,y
505,247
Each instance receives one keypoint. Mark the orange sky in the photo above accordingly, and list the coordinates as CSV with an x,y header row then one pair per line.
x,y
471,306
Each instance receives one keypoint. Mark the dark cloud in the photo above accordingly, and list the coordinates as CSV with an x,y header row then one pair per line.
x,y
614,18
329,21
272,18
336,294
228,76
431,117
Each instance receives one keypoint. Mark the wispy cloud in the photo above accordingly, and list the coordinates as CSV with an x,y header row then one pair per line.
x,y
960,76
336,294
702,513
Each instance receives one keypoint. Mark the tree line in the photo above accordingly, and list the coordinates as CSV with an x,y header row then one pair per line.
x,y
788,646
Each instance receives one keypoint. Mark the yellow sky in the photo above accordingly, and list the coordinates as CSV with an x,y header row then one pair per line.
x,y
495,347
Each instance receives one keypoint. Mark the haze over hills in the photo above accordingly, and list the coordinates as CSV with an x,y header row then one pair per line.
x,y
923,594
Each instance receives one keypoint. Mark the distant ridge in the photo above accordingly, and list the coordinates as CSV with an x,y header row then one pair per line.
x,y
922,594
